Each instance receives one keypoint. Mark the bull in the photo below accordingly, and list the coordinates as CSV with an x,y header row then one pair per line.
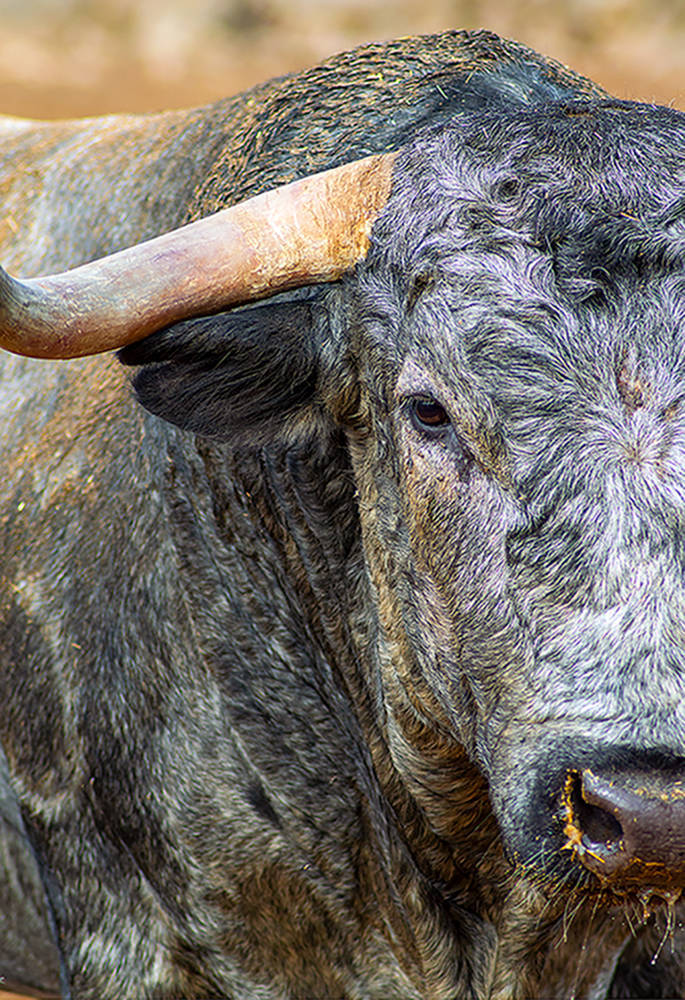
x,y
351,663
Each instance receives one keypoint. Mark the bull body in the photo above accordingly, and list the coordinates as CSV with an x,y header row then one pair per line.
x,y
302,684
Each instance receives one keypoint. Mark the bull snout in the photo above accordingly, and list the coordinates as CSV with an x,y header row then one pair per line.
x,y
627,827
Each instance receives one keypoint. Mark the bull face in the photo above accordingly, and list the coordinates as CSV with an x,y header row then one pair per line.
x,y
508,368
520,333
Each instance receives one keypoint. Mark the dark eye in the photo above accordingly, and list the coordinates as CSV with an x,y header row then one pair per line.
x,y
429,415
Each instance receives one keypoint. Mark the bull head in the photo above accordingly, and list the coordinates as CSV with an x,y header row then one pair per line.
x,y
507,363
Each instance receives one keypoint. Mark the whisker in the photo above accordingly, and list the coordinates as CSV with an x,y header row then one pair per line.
x,y
568,920
669,928
632,928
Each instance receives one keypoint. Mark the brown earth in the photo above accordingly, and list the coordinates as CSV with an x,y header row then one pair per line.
x,y
82,57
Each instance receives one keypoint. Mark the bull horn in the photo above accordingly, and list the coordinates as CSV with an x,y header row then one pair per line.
x,y
308,231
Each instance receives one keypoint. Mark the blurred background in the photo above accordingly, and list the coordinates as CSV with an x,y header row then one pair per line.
x,y
82,57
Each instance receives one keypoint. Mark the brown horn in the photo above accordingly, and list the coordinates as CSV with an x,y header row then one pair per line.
x,y
312,230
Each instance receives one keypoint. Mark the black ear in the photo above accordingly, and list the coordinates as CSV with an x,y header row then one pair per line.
x,y
246,375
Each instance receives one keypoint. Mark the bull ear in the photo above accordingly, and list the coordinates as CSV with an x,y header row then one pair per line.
x,y
244,376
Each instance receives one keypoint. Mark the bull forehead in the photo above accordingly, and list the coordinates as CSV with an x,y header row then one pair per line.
x,y
588,194
552,170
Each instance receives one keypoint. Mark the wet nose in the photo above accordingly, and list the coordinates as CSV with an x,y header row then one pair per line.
x,y
627,827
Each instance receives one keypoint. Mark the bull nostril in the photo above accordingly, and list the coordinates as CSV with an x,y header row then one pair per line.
x,y
596,825
588,826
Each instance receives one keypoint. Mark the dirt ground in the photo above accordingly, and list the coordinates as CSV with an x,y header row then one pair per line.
x,y
80,57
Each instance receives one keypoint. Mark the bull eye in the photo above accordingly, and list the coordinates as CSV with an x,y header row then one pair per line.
x,y
432,421
429,416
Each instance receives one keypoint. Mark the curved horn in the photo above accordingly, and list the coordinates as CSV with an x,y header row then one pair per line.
x,y
312,230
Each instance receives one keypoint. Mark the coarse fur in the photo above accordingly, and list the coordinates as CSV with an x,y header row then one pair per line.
x,y
292,680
